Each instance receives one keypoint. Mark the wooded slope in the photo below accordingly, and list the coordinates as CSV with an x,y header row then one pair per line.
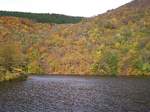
x,y
114,43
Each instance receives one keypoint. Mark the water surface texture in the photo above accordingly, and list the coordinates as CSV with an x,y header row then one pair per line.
x,y
76,94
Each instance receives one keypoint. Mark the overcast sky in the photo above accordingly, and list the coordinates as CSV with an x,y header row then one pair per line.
x,y
85,8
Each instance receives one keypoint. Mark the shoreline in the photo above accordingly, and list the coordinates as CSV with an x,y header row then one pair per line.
x,y
91,75
24,77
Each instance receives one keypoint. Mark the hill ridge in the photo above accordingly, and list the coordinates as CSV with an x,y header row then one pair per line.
x,y
43,17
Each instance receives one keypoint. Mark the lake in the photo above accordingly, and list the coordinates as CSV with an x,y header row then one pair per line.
x,y
76,94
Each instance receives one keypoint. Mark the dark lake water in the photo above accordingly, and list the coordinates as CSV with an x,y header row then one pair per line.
x,y
76,94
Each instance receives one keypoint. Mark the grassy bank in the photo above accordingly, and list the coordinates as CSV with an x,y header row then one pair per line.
x,y
12,77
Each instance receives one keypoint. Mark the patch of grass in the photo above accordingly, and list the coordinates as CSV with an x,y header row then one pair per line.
x,y
12,77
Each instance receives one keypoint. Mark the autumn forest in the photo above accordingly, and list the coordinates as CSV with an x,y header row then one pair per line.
x,y
114,43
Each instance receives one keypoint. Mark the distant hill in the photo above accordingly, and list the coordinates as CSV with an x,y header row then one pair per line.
x,y
43,18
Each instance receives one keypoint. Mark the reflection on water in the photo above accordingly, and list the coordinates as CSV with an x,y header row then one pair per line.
x,y
76,94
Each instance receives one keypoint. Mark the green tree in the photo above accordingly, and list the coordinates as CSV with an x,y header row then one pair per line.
x,y
107,64
11,57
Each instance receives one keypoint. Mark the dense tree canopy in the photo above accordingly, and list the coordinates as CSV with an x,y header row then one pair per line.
x,y
43,18
114,43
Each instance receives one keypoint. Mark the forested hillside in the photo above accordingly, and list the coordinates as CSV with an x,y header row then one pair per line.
x,y
43,17
114,43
